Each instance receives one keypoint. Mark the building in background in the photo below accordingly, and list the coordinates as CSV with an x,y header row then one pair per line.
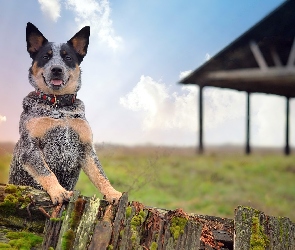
x,y
262,60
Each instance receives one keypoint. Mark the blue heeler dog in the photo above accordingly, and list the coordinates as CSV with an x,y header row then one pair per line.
x,y
55,138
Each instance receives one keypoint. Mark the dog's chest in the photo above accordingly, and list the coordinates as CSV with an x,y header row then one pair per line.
x,y
62,148
60,129
62,133
62,141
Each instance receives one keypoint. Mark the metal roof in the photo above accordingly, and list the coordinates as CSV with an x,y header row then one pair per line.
x,y
260,60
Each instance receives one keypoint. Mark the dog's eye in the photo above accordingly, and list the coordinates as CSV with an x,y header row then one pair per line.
x,y
46,57
68,58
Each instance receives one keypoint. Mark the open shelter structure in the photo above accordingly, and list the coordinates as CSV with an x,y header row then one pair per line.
x,y
262,60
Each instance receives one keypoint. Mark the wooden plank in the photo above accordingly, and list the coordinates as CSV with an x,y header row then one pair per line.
x,y
120,215
243,228
153,228
103,230
191,236
86,224
52,231
255,230
67,230
101,235
274,74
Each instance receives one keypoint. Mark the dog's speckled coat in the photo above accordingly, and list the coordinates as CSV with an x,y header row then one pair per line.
x,y
55,138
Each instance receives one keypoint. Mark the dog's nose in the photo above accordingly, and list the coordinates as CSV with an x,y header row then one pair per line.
x,y
56,70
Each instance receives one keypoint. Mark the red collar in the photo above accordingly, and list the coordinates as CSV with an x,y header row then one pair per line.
x,y
56,100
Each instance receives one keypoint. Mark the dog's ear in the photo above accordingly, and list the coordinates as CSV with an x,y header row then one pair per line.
x,y
79,42
35,39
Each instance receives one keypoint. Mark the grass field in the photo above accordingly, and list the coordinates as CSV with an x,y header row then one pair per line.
x,y
213,184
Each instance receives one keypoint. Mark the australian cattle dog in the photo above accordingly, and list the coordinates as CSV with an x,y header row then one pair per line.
x,y
55,137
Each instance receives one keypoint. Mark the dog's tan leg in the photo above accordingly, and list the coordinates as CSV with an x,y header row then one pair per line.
x,y
94,171
33,161
51,185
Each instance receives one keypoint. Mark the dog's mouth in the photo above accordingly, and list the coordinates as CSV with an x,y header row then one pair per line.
x,y
56,82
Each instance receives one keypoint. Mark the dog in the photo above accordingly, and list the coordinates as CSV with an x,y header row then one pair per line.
x,y
55,137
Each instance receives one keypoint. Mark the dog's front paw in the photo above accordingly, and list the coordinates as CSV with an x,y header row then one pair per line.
x,y
58,194
113,196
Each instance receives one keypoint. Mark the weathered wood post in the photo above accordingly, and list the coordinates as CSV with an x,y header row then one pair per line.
x,y
255,230
248,148
287,147
201,148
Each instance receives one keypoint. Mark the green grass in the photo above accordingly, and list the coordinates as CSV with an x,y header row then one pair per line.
x,y
211,184
4,167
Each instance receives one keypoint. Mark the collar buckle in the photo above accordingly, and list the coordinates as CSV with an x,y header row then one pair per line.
x,y
55,101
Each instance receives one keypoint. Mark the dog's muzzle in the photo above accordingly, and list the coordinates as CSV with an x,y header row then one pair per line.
x,y
56,76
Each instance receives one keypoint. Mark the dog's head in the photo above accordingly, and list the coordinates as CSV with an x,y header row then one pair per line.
x,y
55,67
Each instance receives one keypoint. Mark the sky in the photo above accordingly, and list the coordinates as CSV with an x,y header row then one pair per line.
x,y
138,52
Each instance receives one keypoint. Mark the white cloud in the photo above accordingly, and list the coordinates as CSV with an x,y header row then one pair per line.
x,y
268,120
207,57
222,105
2,119
97,15
51,8
162,110
184,74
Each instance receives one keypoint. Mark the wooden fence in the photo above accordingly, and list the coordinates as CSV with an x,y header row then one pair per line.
x,y
27,217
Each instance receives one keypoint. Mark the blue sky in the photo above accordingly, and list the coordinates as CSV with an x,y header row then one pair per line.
x,y
138,51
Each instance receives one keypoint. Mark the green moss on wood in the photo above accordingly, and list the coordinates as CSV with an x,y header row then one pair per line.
x,y
9,205
57,219
122,233
128,212
60,218
177,226
284,232
10,189
258,240
67,240
68,237
13,200
15,221
154,246
244,217
134,237
5,246
21,240
138,219
142,214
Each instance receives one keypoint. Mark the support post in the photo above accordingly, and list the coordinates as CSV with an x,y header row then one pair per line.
x,y
248,149
287,147
201,120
